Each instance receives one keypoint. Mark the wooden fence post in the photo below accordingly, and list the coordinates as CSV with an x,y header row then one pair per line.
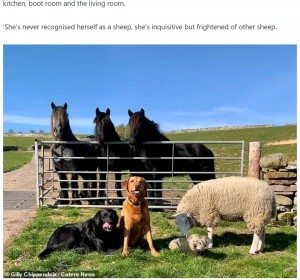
x,y
254,157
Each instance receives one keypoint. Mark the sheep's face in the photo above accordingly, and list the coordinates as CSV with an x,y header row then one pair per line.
x,y
183,222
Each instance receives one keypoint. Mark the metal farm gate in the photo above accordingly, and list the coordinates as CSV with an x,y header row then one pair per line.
x,y
229,161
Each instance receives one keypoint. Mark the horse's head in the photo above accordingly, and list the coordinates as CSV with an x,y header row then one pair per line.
x,y
104,126
59,120
137,129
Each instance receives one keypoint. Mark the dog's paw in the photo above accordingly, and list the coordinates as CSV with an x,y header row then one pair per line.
x,y
154,253
125,253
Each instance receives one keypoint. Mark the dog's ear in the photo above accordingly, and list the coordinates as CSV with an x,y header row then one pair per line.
x,y
114,216
125,184
147,186
98,218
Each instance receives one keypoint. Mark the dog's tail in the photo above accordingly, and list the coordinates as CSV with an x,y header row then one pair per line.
x,y
46,253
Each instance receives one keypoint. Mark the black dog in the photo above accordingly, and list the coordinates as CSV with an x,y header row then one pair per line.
x,y
97,234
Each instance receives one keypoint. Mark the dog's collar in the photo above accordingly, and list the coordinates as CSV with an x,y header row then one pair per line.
x,y
138,203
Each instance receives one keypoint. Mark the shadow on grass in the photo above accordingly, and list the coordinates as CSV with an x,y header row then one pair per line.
x,y
274,242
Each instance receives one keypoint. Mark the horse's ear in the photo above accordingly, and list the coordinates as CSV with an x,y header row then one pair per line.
x,y
53,106
65,106
97,111
108,112
130,113
142,112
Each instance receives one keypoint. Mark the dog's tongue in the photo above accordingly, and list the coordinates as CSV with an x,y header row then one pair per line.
x,y
136,192
107,227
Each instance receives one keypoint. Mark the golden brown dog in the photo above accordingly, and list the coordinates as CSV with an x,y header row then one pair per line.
x,y
135,219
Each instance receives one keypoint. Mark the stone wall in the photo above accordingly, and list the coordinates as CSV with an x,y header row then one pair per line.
x,y
282,176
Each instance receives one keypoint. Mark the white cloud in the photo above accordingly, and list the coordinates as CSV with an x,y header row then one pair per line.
x,y
17,119
212,111
25,120
229,109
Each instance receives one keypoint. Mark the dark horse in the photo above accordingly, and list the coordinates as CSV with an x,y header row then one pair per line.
x,y
61,131
142,129
105,132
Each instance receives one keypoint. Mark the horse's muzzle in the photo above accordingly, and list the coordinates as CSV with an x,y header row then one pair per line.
x,y
132,143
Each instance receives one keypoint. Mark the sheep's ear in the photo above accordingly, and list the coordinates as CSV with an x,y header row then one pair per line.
x,y
173,217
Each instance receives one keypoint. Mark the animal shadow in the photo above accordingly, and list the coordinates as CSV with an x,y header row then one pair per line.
x,y
274,242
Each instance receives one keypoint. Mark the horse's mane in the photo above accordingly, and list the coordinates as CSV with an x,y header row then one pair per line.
x,y
155,124
155,128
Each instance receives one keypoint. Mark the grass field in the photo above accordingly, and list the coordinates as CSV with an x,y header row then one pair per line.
x,y
13,160
228,258
263,135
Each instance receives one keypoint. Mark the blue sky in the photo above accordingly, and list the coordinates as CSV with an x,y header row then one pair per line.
x,y
178,86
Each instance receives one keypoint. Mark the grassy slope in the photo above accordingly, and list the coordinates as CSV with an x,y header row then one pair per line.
x,y
263,135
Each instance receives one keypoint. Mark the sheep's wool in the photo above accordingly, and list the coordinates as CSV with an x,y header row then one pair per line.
x,y
230,198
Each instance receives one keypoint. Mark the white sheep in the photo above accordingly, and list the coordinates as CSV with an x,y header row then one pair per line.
x,y
228,198
193,244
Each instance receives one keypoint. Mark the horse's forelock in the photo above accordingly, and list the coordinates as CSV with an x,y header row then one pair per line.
x,y
59,116
96,119
104,129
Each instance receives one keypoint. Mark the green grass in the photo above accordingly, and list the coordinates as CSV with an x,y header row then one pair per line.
x,y
23,142
14,160
260,134
228,258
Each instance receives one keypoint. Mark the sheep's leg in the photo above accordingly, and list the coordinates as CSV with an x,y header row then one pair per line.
x,y
255,244
261,243
210,237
